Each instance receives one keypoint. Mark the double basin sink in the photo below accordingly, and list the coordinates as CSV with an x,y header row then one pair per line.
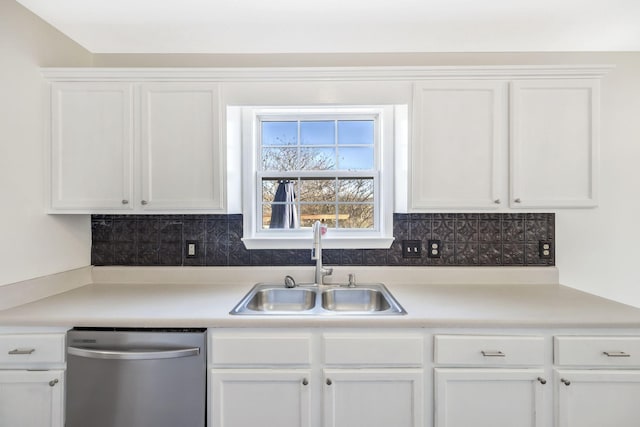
x,y
274,299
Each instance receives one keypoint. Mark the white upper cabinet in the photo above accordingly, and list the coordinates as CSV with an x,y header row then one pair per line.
x,y
180,147
481,138
136,147
554,143
456,153
510,143
91,146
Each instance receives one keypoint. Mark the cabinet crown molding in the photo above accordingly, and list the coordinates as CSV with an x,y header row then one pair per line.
x,y
326,73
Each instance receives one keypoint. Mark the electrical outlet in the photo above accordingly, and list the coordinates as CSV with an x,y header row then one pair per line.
x,y
411,248
545,249
433,248
192,248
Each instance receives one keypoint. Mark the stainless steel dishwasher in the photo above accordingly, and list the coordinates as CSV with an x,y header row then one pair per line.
x,y
128,377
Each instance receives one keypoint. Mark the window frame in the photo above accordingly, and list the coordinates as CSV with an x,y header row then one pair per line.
x,y
380,236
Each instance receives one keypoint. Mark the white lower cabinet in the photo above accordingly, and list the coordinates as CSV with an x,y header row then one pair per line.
x,y
32,379
373,397
490,381
280,378
260,397
31,398
334,377
489,397
597,381
597,398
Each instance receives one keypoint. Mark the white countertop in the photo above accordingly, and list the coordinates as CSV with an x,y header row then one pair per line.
x,y
432,305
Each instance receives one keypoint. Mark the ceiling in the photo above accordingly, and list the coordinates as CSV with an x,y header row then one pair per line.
x,y
307,26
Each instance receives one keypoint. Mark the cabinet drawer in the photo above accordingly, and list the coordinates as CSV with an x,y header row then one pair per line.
x,y
489,350
373,350
30,350
597,351
258,349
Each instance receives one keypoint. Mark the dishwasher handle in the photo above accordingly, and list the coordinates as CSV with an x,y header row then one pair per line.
x,y
133,354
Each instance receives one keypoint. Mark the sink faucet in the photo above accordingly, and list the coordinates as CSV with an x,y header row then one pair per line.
x,y
316,253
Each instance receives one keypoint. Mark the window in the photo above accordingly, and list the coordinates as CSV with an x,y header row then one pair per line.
x,y
308,164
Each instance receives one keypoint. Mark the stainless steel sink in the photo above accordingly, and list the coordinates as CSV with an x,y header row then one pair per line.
x,y
312,300
282,299
354,299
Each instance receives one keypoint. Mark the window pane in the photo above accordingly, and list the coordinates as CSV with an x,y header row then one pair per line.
x,y
318,190
279,159
360,158
355,216
317,159
266,215
355,132
317,133
279,133
317,212
281,196
269,187
355,190
270,190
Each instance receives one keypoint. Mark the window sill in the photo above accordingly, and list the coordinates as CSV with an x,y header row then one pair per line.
x,y
327,243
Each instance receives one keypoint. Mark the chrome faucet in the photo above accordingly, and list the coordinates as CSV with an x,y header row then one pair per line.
x,y
316,253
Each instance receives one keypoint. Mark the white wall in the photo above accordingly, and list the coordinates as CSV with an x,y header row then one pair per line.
x,y
32,244
598,250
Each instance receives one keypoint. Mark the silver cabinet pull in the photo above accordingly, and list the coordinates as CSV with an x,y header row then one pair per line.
x,y
517,200
329,382
53,382
542,380
143,202
305,381
17,351
125,202
616,354
496,201
493,353
565,382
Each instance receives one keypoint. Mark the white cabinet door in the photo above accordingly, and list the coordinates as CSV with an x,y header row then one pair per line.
x,y
458,136
260,397
597,398
554,143
91,146
182,156
373,398
31,398
489,397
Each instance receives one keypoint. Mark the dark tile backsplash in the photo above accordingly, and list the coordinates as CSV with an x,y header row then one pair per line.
x,y
475,239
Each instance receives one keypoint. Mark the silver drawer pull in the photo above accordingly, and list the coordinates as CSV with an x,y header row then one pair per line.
x,y
17,351
616,354
494,353
53,382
